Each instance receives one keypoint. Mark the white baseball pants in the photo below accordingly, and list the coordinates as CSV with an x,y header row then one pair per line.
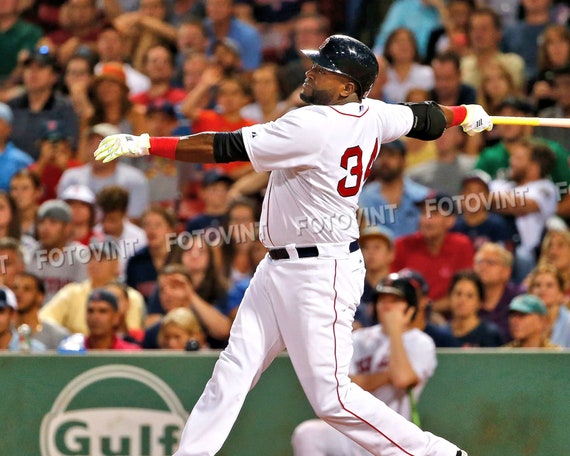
x,y
306,306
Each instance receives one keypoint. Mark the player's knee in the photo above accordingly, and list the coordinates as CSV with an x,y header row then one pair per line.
x,y
305,437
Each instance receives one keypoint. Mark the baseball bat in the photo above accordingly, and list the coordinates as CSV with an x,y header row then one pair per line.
x,y
533,121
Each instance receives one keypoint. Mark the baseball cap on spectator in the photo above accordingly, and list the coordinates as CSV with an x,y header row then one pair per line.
x,y
396,145
52,131
111,71
42,56
477,175
100,294
520,104
55,209
440,200
6,113
162,106
377,231
527,304
103,129
80,193
213,176
7,298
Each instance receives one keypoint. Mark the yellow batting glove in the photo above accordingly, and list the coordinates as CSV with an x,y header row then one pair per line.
x,y
476,120
122,145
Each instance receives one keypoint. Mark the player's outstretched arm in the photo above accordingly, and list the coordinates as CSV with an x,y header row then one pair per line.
x,y
472,118
197,148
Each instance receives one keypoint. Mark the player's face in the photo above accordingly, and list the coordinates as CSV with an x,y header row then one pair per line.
x,y
322,87
390,303
546,287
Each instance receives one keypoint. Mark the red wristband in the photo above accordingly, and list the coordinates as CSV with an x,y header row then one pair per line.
x,y
164,146
459,114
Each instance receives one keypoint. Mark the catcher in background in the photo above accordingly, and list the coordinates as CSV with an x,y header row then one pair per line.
x,y
391,360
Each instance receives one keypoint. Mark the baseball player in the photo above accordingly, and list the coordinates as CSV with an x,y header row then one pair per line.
x,y
389,359
305,292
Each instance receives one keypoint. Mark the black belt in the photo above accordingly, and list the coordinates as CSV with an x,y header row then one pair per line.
x,y
305,252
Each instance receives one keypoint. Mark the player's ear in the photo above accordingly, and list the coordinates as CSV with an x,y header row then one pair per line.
x,y
348,88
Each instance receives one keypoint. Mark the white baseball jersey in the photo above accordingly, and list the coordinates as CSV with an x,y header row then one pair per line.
x,y
372,354
312,195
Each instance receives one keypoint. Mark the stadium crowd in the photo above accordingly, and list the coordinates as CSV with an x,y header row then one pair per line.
x,y
153,254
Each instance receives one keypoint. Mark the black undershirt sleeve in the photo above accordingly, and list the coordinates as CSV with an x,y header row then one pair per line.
x,y
429,120
229,147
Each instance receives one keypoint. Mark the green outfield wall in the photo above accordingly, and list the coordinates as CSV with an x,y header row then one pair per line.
x,y
493,403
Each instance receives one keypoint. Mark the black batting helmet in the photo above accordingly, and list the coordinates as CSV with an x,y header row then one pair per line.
x,y
347,56
398,285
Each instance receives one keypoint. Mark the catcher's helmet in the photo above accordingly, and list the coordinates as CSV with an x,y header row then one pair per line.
x,y
345,55
399,285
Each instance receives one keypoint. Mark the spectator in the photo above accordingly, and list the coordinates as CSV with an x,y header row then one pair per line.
x,y
555,249
391,360
553,53
450,167
112,48
97,175
533,199
475,219
423,21
40,103
26,189
78,76
121,292
67,307
109,103
309,31
494,160
522,37
434,251
267,100
561,108
12,159
377,90
466,294
16,35
485,35
448,89
494,265
158,65
191,39
11,261
528,321
10,225
102,319
80,27
180,10
56,156
226,54
390,199
230,99
145,28
81,200
547,282
441,334
56,260
451,36
215,195
377,245
29,292
176,290
404,70
220,23
158,223
181,330
114,225
9,337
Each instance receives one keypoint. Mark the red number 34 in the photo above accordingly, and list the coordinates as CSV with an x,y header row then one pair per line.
x,y
350,185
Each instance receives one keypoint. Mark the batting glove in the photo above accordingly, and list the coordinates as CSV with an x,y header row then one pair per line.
x,y
476,120
122,145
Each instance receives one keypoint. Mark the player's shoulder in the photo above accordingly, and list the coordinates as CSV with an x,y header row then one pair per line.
x,y
417,337
368,334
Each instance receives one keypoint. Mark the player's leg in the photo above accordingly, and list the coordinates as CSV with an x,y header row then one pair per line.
x,y
254,342
317,438
315,318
